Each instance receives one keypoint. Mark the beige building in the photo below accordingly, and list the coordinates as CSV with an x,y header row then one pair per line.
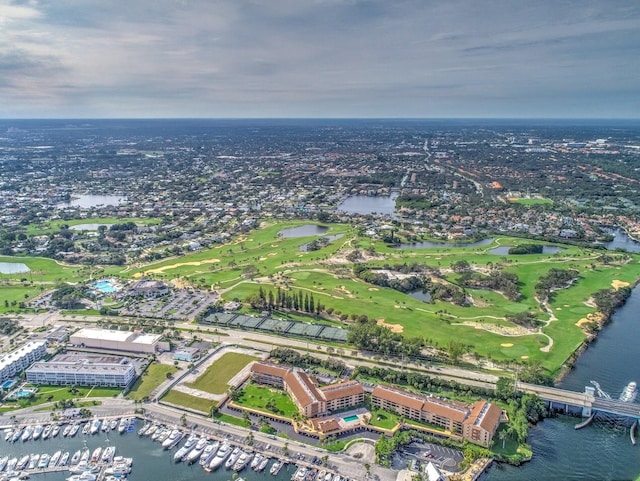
x,y
126,341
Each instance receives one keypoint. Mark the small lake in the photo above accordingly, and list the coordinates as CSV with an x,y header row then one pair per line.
x,y
303,231
88,226
13,268
421,295
90,200
330,238
622,241
436,245
369,204
504,250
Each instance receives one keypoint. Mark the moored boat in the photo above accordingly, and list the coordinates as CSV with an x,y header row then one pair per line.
x,y
95,456
47,431
55,431
17,434
186,447
3,462
276,467
27,433
255,462
242,461
22,462
221,456
208,453
263,464
55,458
629,393
95,426
37,432
197,450
123,425
174,438
233,457
74,430
64,459
75,459
108,454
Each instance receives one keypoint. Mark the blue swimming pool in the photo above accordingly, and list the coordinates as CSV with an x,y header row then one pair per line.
x,y
8,384
349,419
105,286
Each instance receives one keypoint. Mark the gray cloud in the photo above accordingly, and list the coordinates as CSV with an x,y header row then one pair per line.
x,y
318,57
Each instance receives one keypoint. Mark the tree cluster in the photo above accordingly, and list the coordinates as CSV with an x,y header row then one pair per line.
x,y
555,279
497,280
294,358
526,249
66,296
8,326
608,300
369,336
526,319
292,300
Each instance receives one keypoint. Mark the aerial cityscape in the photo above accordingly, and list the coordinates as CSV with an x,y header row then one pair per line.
x,y
334,240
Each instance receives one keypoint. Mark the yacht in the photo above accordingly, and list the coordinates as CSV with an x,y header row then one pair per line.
x,y
86,429
74,430
186,447
337,477
37,432
95,456
85,476
208,453
113,424
263,464
142,431
8,432
95,426
255,462
11,464
64,459
75,459
47,431
33,461
233,457
16,434
123,425
27,433
22,462
174,438
118,470
220,457
86,454
3,462
67,430
276,467
151,429
242,461
630,392
108,454
55,431
44,461
158,432
196,452
104,426
55,458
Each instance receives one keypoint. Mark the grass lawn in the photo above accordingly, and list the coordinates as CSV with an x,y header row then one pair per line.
x,y
214,380
531,201
52,394
258,397
226,418
155,375
188,401
384,419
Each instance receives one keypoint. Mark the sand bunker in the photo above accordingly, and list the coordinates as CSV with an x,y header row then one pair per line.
x,y
180,283
271,254
616,284
343,290
160,270
506,344
395,328
374,289
524,357
593,317
263,258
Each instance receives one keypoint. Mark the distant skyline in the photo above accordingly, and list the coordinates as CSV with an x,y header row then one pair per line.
x,y
319,58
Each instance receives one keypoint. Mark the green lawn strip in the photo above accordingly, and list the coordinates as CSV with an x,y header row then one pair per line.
x,y
155,375
542,201
226,418
44,270
190,402
214,380
384,419
12,296
56,225
259,397
51,394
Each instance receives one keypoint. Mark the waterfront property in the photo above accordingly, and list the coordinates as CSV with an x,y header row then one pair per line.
x,y
476,423
311,400
19,359
106,339
68,370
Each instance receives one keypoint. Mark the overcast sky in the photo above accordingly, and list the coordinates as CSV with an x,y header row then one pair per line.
x,y
319,58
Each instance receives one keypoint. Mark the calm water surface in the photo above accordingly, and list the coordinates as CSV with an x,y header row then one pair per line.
x,y
89,200
303,231
369,204
13,268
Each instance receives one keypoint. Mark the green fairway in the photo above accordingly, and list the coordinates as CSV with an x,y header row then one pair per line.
x,y
190,402
56,225
267,399
155,375
53,394
215,379
531,201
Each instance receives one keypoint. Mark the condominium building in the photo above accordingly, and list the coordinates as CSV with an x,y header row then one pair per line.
x,y
108,372
18,360
476,423
311,400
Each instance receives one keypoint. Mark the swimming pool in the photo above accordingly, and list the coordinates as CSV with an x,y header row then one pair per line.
x,y
8,384
105,286
351,418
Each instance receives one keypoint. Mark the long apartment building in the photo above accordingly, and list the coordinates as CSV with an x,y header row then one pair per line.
x,y
18,360
312,401
476,423
112,372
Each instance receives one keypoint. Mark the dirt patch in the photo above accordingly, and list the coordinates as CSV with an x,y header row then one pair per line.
x,y
506,344
343,290
160,270
616,284
593,317
180,283
395,328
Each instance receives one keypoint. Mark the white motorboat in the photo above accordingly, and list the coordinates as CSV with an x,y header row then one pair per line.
x,y
104,426
123,425
276,467
74,429
158,433
37,432
55,431
11,464
113,424
86,454
47,431
4,460
86,429
152,429
174,438
95,426
186,447
255,462
233,457
33,461
196,452
75,459
84,476
44,461
22,463
208,453
64,459
108,454
142,431
17,434
629,393
95,456
263,464
220,457
67,430
242,461
27,433
55,458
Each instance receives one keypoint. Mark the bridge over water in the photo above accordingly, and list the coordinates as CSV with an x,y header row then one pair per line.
x,y
584,402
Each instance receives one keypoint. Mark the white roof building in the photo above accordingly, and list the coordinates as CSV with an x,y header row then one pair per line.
x,y
109,340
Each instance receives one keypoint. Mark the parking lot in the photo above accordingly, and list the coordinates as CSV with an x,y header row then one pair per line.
x,y
418,454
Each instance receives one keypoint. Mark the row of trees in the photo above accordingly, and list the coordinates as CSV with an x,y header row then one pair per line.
x,y
292,300
497,280
555,279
